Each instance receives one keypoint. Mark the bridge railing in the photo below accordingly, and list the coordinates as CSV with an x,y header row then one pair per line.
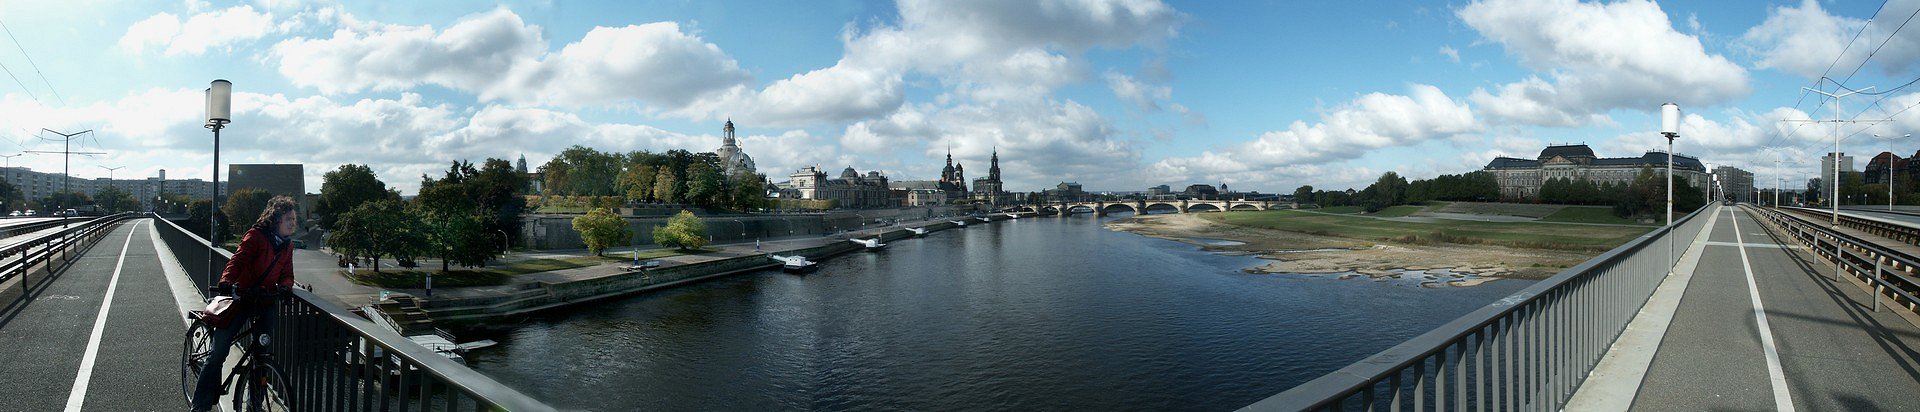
x,y
1528,351
1890,272
22,257
1897,231
337,360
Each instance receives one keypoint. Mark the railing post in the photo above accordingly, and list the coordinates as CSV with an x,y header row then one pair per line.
x,y
1876,282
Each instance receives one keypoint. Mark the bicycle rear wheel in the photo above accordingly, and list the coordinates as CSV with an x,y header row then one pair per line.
x,y
265,392
194,349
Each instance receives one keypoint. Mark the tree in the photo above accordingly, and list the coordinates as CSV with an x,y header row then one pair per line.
x,y
1389,190
500,190
705,186
377,228
452,221
749,192
112,199
245,206
345,189
637,182
683,230
665,186
601,229
10,195
1304,194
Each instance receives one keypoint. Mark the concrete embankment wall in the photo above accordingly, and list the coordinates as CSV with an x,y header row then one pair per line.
x,y
544,232
480,312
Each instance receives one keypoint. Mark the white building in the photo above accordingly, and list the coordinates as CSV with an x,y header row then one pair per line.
x,y
1521,178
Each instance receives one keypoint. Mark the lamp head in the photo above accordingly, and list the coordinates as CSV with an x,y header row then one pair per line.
x,y
1670,120
219,102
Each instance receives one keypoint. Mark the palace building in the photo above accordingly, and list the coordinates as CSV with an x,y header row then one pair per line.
x,y
1521,178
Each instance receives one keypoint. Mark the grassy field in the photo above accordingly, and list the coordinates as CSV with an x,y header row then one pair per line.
x,y
1588,214
1344,210
1398,211
494,275
1523,235
1507,209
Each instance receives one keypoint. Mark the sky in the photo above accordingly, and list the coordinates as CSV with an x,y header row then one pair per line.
x,y
1117,95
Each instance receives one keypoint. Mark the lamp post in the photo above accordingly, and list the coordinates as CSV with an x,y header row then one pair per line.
x,y
1670,128
219,113
1890,156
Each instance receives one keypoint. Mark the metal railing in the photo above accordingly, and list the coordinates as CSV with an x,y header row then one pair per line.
x,y
20,258
337,360
1890,272
1528,351
1897,231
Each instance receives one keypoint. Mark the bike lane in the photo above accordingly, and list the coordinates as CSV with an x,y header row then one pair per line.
x,y
46,324
138,365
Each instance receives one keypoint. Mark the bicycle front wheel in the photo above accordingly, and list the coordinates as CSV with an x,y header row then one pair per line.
x,y
266,391
196,345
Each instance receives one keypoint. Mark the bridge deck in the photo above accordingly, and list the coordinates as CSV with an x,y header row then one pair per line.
x,y
1831,351
48,322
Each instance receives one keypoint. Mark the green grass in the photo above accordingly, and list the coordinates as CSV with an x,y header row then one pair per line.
x,y
1507,209
627,256
1578,214
1398,211
1523,234
1343,210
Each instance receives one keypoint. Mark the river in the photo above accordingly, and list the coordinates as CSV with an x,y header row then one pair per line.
x,y
1028,314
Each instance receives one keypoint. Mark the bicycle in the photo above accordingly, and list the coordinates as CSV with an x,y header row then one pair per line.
x,y
256,382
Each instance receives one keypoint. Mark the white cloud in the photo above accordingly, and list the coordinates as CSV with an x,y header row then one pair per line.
x,y
1600,57
498,56
1452,55
199,33
1142,95
1805,41
984,51
1370,122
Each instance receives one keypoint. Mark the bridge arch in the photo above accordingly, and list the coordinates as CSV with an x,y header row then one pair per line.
x,y
1079,209
1203,207
1246,206
1115,207
1161,207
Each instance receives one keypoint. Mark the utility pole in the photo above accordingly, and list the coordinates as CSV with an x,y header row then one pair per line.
x,y
66,167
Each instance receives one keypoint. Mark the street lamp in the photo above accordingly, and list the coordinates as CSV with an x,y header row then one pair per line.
x,y
1670,128
219,113
1890,156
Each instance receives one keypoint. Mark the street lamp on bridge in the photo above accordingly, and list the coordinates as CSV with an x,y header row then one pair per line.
x,y
219,113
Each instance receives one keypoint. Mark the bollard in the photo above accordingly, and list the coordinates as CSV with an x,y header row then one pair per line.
x,y
1876,284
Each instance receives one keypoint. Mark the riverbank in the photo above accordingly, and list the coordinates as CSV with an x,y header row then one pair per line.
x,y
1327,252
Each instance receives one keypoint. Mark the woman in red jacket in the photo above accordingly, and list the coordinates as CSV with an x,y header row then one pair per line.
x,y
257,273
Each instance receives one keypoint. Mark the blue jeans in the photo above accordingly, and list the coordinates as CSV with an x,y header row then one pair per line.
x,y
208,391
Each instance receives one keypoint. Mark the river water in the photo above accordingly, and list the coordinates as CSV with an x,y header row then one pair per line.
x,y
1028,314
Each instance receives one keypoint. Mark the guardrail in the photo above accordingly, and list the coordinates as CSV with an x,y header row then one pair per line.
x,y
1897,231
1890,272
20,258
336,360
1528,351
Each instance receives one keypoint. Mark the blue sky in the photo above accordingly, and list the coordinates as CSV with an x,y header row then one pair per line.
x,y
1115,94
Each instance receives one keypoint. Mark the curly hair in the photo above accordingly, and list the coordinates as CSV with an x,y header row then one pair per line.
x,y
277,207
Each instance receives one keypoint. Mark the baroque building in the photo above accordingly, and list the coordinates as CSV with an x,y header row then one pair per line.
x,y
733,160
989,189
953,179
1521,178
850,191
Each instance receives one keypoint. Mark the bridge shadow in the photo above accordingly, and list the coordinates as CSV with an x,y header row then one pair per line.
x,y
1860,314
30,288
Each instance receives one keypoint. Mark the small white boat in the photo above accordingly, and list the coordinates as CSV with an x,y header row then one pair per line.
x,y
795,264
985,219
917,231
870,244
1013,215
960,223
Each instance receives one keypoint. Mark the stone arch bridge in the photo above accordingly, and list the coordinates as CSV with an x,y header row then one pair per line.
x,y
1101,208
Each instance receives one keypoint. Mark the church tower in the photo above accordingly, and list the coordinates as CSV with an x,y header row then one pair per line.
x,y
734,160
993,170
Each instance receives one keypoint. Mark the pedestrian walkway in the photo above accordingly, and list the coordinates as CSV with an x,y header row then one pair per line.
x,y
101,333
1763,326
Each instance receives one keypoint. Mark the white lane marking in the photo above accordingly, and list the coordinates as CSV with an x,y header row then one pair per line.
x,y
1737,244
1782,400
79,394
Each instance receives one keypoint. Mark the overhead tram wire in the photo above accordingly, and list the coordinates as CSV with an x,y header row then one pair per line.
x,y
1883,43
1823,73
36,66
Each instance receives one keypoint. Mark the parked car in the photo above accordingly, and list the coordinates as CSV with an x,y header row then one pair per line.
x,y
32,212
15,213
70,213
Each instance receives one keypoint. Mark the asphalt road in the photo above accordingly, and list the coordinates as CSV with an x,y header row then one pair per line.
x,y
1834,352
48,321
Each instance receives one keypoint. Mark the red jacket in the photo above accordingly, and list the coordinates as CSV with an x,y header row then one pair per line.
x,y
256,251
